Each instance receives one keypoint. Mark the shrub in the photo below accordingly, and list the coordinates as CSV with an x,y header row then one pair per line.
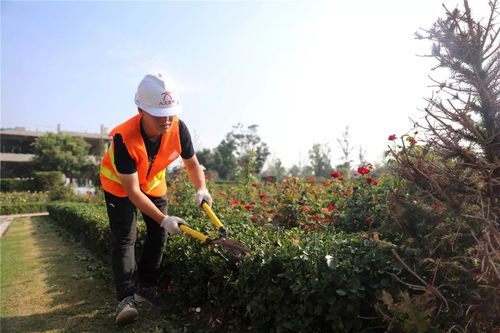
x,y
14,184
448,208
294,281
87,223
23,202
47,180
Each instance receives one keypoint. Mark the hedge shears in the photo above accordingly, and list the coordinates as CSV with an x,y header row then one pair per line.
x,y
235,248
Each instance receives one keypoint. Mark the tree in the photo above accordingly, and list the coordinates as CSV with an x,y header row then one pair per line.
x,y
275,169
345,147
61,152
319,159
241,152
457,171
224,159
249,147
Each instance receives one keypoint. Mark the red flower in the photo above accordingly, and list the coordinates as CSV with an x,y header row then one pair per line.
x,y
368,220
392,137
248,206
262,195
369,180
270,179
411,140
375,182
336,174
363,170
234,202
255,184
331,207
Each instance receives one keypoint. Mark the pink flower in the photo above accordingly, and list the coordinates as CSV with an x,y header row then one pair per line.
x,y
234,202
392,137
270,179
336,174
363,170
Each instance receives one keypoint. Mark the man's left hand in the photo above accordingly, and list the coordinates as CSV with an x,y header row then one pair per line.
x,y
203,195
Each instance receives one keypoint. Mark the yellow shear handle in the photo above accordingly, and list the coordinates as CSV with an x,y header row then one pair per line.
x,y
211,214
193,233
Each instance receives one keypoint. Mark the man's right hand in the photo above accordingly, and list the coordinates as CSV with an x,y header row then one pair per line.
x,y
171,224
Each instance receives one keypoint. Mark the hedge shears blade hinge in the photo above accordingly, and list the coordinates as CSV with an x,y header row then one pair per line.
x,y
235,248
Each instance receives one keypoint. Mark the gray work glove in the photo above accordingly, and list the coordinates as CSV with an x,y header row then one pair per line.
x,y
203,195
171,224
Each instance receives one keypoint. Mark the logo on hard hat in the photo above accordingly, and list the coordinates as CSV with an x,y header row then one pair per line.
x,y
167,98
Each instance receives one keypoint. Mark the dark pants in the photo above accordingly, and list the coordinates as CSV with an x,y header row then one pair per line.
x,y
122,222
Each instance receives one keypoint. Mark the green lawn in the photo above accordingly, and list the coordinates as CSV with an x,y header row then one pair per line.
x,y
51,284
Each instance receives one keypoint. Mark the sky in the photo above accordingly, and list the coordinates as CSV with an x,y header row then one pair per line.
x,y
301,70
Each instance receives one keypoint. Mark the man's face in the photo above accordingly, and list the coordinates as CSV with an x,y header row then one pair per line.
x,y
155,126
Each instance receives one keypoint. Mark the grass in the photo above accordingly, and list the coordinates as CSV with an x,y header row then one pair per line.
x,y
51,284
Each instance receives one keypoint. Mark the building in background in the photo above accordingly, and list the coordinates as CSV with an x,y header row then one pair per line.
x,y
18,148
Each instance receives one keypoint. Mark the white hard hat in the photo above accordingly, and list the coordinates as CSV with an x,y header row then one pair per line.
x,y
157,97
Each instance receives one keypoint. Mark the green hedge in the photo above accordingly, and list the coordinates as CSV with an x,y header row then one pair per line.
x,y
42,181
47,180
86,222
15,184
23,202
23,208
294,281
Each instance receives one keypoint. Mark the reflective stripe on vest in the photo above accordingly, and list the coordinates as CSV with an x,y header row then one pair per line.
x,y
108,173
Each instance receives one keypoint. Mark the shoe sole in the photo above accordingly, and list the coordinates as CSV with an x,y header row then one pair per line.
x,y
140,299
127,316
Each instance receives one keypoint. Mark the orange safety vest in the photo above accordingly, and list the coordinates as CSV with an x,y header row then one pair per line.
x,y
154,183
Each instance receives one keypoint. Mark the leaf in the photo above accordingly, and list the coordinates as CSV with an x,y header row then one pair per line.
x,y
341,292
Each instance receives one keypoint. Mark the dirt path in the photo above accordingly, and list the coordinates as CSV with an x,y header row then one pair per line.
x,y
51,284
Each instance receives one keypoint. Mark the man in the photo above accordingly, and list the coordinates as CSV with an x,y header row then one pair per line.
x,y
133,177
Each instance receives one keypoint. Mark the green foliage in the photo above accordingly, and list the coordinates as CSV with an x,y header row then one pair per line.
x,y
15,184
23,202
86,222
53,182
446,211
41,181
275,170
241,154
319,157
47,180
61,152
292,282
295,280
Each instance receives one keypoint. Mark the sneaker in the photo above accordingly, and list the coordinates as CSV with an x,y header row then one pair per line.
x,y
126,311
151,295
